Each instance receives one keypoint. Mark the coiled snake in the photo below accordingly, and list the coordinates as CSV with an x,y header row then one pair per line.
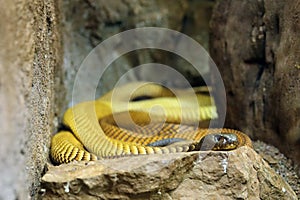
x,y
126,121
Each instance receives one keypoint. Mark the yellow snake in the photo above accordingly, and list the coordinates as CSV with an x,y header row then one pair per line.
x,y
141,118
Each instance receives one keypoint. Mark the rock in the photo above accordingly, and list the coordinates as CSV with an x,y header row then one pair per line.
x,y
103,19
30,92
256,46
238,174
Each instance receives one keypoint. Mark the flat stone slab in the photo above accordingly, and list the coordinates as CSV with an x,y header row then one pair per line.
x,y
238,174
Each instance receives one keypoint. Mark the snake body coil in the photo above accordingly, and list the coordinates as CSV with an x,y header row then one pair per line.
x,y
141,118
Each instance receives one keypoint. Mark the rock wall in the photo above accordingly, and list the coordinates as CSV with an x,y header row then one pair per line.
x,y
256,46
88,23
30,60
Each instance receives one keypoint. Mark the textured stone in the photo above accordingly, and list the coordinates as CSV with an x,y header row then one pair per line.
x,y
239,174
29,59
256,46
88,23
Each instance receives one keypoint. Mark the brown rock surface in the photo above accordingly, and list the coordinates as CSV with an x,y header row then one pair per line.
x,y
282,165
239,174
256,46
29,74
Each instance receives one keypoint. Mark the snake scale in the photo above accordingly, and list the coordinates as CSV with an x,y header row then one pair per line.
x,y
142,118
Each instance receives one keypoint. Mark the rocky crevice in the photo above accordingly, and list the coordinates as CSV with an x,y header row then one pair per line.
x,y
258,75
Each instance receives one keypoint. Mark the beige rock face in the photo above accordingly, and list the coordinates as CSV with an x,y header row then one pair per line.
x,y
29,73
256,46
239,174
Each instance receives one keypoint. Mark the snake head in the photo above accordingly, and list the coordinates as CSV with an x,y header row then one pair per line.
x,y
218,142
